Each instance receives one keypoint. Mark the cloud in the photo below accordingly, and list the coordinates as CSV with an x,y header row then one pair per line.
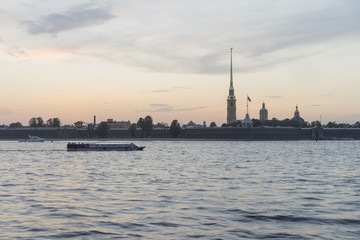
x,y
184,88
316,105
160,91
274,96
168,108
158,105
195,37
76,17
15,51
263,34
168,90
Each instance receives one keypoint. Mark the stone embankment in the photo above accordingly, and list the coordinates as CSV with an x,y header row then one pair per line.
x,y
266,133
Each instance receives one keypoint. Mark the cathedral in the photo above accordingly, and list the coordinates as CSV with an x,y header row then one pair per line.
x,y
297,117
247,122
231,104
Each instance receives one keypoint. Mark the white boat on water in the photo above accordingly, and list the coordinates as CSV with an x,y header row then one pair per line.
x,y
32,139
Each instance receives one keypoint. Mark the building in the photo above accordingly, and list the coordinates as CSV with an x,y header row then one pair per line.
x,y
263,113
231,99
120,124
297,117
247,122
191,124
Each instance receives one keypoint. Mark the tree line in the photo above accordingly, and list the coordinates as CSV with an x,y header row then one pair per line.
x,y
146,125
38,122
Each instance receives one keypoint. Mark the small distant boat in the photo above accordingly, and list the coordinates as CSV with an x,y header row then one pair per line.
x,y
32,139
103,147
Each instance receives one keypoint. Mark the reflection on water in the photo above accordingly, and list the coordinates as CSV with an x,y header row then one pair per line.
x,y
182,190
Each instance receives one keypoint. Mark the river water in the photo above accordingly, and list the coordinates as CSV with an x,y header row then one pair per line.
x,y
182,190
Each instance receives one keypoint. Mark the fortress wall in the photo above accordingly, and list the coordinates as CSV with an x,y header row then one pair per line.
x,y
342,133
194,133
248,133
48,133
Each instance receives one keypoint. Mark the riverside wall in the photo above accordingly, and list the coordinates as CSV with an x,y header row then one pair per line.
x,y
273,133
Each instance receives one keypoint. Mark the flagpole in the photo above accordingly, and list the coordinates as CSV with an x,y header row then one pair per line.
x,y
247,105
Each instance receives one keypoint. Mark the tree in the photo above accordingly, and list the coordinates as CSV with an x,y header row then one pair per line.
x,y
36,122
256,122
49,122
33,122
132,130
235,124
146,125
213,124
175,128
40,122
102,129
79,124
331,125
56,122
15,125
53,122
344,125
315,124
140,123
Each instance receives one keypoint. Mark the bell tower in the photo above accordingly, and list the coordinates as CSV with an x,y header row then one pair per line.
x,y
231,99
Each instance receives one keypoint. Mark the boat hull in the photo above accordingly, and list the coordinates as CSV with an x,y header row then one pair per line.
x,y
103,147
32,139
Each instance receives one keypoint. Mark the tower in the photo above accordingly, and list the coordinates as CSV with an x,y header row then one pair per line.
x,y
231,99
263,113
296,113
297,117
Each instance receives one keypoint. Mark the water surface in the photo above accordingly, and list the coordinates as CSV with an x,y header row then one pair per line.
x,y
182,190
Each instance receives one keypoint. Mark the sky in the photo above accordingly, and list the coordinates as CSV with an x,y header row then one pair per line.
x,y
170,59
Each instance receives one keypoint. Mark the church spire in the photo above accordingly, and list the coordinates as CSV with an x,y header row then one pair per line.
x,y
231,88
231,71
231,99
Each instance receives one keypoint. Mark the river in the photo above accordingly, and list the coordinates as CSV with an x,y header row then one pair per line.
x,y
182,190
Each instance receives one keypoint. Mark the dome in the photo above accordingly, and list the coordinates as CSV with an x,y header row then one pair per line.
x,y
247,123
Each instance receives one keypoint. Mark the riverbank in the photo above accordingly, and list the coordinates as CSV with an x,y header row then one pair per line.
x,y
274,133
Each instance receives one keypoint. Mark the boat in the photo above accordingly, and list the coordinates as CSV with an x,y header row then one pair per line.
x,y
103,147
32,139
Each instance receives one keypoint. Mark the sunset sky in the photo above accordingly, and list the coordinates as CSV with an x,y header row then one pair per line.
x,y
122,59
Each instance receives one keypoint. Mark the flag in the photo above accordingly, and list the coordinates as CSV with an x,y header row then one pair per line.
x,y
248,99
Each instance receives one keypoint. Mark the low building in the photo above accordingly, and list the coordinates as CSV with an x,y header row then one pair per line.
x,y
247,122
191,124
118,124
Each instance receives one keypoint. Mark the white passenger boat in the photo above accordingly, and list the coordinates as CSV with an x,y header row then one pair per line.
x,y
103,147
32,139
